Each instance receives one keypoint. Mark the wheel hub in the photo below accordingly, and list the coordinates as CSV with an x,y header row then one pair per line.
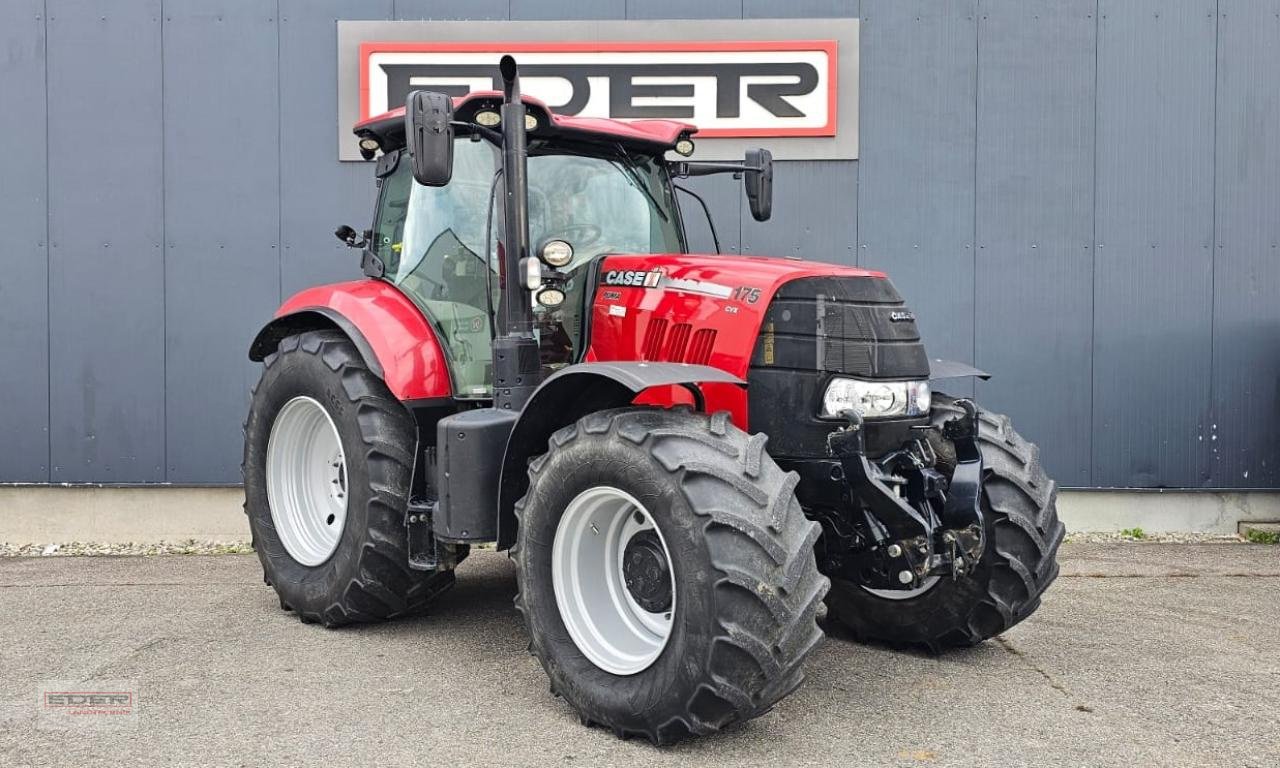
x,y
306,481
645,572
613,579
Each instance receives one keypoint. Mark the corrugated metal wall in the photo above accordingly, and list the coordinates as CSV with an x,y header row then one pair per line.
x,y
1082,196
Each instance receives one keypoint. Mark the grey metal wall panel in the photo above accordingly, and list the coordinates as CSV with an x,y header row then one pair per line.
x,y
815,212
916,172
1034,270
1153,275
222,223
978,143
428,9
317,194
106,263
680,9
799,9
24,276
568,9
1246,326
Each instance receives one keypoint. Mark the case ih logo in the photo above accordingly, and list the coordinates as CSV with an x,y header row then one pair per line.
x,y
748,88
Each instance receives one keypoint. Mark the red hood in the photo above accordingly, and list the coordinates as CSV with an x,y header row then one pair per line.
x,y
703,309
640,296
759,271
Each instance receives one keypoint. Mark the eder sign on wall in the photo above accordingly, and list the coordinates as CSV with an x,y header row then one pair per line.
x,y
794,88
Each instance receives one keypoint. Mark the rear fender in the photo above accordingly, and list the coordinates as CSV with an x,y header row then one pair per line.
x,y
572,393
390,332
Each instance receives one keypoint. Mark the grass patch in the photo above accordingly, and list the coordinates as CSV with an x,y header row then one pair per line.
x,y
1134,533
1256,536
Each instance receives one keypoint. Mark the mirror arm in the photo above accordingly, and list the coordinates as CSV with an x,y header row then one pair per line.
x,y
684,169
488,133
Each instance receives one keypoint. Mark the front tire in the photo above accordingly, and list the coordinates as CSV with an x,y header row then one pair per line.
x,y
728,641
1020,561
327,468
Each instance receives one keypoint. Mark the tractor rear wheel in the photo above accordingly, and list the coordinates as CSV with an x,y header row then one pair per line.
x,y
1022,537
327,467
666,572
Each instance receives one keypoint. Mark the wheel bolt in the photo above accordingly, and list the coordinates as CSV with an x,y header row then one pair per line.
x,y
894,550
905,577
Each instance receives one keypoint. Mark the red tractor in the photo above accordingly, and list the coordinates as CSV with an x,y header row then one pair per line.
x,y
683,454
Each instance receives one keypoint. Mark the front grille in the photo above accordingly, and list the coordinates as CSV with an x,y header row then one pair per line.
x,y
815,328
857,326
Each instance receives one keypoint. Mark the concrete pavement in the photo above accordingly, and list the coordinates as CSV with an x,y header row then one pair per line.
x,y
1143,654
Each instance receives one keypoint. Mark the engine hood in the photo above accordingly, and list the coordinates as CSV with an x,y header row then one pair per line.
x,y
717,271
704,309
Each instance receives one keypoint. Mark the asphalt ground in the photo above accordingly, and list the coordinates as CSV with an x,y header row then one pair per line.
x,y
1142,655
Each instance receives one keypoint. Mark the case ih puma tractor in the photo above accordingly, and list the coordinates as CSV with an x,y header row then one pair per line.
x,y
683,454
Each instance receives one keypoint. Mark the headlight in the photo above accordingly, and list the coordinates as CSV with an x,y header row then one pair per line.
x,y
550,296
556,253
876,399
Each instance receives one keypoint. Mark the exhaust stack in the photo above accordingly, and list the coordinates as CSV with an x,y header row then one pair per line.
x,y
516,366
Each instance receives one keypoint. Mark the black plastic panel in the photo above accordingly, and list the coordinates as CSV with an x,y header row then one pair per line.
x,y
470,448
784,405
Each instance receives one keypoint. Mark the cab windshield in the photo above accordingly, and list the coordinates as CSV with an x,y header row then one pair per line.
x,y
433,244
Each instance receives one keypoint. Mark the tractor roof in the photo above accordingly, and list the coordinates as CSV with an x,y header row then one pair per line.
x,y
641,135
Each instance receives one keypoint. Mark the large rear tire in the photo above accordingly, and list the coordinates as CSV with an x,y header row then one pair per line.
x,y
713,624
1020,561
327,467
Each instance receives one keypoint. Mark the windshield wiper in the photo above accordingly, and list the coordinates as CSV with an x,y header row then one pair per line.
x,y
637,181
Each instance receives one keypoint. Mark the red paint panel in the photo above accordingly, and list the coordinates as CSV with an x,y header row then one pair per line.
x,y
710,293
413,364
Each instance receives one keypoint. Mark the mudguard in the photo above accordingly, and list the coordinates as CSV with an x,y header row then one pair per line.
x,y
573,392
952,369
391,333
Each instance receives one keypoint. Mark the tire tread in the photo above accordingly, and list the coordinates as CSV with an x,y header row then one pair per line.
x,y
760,544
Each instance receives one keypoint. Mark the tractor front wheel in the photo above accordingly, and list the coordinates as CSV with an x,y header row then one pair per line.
x,y
1020,561
328,461
666,572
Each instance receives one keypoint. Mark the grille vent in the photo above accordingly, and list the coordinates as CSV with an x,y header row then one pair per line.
x,y
677,343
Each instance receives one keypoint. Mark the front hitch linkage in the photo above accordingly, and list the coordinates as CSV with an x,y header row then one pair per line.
x,y
915,545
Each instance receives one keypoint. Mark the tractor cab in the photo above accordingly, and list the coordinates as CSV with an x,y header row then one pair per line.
x,y
595,187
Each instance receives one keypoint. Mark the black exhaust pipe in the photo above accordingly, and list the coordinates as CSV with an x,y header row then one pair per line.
x,y
516,367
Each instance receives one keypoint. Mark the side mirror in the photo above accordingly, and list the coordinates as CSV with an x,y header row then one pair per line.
x,y
429,136
759,183
349,236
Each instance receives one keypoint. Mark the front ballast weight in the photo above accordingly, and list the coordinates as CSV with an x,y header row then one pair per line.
x,y
921,525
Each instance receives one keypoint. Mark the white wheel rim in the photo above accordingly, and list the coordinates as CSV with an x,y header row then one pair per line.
x,y
306,481
588,574
905,594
